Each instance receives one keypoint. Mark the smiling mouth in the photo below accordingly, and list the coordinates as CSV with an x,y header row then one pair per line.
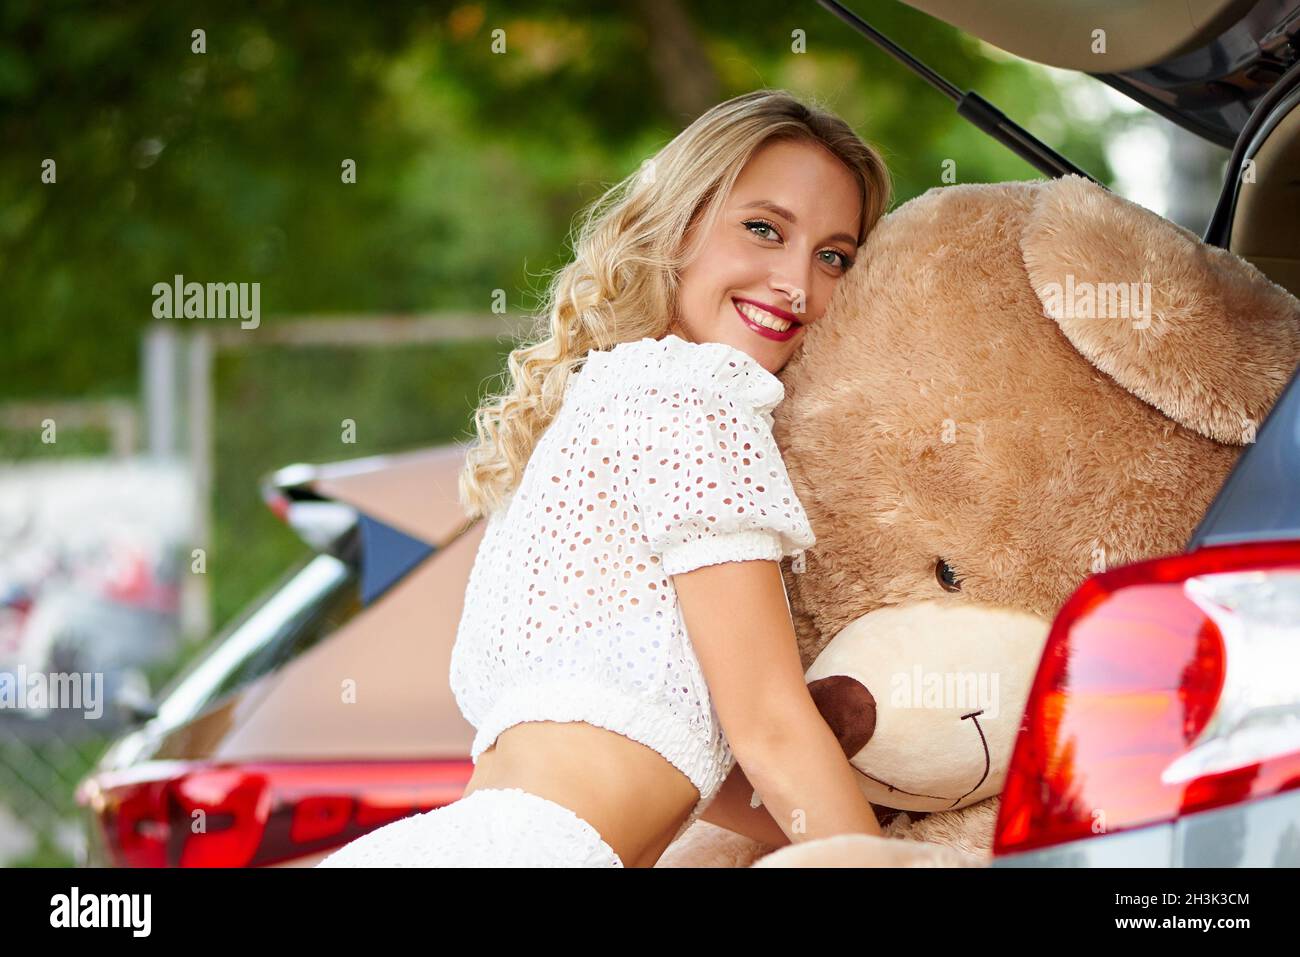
x,y
761,317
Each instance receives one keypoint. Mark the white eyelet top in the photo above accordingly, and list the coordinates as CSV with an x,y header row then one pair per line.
x,y
660,460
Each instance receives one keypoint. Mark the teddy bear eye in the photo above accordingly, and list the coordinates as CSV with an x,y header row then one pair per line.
x,y
947,578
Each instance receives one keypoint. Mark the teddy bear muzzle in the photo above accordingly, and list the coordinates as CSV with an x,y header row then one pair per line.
x,y
925,698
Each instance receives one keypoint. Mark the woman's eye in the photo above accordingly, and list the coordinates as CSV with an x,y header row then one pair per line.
x,y
845,261
763,225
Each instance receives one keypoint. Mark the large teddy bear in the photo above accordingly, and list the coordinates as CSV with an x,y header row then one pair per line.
x,y
1017,385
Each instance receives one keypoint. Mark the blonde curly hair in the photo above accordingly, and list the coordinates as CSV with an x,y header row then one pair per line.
x,y
622,283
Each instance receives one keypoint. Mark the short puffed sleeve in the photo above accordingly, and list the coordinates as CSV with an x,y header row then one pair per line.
x,y
711,485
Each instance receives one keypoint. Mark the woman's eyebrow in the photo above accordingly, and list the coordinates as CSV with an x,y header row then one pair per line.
x,y
793,220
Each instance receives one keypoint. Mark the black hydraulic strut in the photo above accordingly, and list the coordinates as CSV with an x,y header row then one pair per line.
x,y
970,105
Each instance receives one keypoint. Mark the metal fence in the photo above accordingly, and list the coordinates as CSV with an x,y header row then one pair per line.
x,y
41,761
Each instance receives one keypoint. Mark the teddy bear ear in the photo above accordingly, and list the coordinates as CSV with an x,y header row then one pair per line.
x,y
1191,329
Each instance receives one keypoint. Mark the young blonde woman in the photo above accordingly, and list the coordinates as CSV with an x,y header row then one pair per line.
x,y
626,653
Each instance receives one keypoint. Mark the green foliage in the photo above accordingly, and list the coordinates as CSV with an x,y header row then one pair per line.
x,y
26,445
471,168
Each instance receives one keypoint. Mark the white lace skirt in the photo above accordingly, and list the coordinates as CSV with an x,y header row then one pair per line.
x,y
490,827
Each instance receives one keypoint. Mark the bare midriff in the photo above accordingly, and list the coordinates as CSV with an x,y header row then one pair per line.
x,y
627,791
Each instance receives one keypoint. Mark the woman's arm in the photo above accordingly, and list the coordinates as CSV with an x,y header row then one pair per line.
x,y
739,624
730,808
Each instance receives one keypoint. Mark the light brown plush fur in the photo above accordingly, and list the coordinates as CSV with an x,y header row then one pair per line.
x,y
941,410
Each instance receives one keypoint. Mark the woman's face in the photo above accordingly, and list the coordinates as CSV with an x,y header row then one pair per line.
x,y
780,265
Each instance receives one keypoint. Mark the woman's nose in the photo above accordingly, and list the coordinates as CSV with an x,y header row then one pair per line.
x,y
795,295
792,282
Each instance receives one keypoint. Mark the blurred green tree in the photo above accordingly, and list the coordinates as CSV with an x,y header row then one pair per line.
x,y
226,165
472,162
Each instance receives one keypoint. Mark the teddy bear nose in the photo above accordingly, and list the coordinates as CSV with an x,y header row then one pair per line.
x,y
848,707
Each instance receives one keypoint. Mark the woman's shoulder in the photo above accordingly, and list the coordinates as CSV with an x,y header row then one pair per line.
x,y
713,366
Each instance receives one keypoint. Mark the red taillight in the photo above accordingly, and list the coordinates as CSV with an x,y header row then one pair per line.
x,y
177,814
1166,687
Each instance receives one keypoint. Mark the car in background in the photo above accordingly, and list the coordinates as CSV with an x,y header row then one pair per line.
x,y
325,710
